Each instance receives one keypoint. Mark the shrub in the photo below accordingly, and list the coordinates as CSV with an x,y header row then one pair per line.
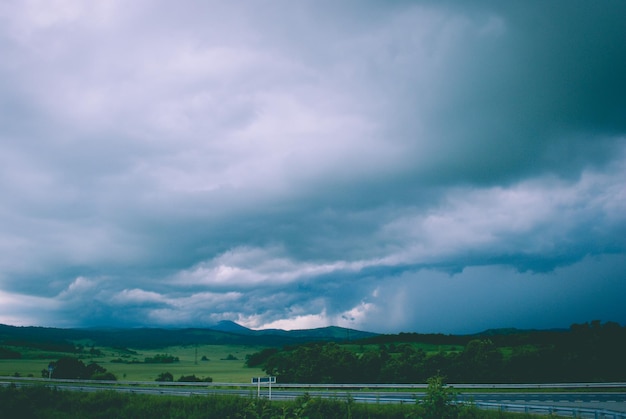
x,y
72,368
193,379
439,402
165,376
161,359
6,353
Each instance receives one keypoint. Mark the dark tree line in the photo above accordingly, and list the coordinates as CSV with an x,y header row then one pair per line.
x,y
73,368
161,359
587,352
6,353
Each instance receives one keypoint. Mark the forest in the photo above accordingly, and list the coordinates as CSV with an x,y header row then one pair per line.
x,y
589,352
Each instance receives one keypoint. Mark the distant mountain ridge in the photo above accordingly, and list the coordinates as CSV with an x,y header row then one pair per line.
x,y
227,332
231,327
328,332
222,333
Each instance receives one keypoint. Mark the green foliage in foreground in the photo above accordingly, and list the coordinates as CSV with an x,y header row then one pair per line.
x,y
43,402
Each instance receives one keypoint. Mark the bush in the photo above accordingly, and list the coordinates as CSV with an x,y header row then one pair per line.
x,y
161,359
44,402
165,376
104,376
439,402
193,379
6,353
72,368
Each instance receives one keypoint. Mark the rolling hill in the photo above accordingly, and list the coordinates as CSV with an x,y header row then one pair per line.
x,y
222,333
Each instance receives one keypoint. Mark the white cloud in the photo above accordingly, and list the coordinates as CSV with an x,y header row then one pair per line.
x,y
290,161
358,317
533,217
29,18
200,308
25,310
308,321
247,266
81,287
137,296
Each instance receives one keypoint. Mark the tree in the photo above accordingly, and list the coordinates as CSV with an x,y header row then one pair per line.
x,y
165,376
9,354
439,402
73,368
193,379
480,361
68,367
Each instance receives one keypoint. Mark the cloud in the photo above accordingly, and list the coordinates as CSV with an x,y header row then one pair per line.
x,y
309,321
485,297
249,267
294,164
23,309
137,296
535,219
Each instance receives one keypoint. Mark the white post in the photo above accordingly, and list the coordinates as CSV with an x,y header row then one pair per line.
x,y
270,382
258,390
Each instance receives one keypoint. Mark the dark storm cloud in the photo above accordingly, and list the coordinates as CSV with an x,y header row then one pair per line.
x,y
301,164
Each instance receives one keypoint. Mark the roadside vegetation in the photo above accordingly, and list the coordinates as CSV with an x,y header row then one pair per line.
x,y
44,402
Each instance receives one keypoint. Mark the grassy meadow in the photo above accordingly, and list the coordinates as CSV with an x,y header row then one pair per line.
x,y
223,363
216,363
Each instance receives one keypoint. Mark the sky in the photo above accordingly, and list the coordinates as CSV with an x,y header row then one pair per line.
x,y
406,166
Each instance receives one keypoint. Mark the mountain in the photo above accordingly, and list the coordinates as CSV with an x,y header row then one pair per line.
x,y
501,331
222,333
231,327
322,333
331,333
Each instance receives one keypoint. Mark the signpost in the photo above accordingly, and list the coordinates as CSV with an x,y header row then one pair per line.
x,y
264,380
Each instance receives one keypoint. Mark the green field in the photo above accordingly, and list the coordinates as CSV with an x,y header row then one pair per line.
x,y
217,366
199,360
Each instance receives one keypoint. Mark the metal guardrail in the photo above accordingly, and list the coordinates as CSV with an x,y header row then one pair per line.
x,y
574,412
569,386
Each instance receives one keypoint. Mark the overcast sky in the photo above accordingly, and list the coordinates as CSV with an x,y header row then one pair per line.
x,y
417,166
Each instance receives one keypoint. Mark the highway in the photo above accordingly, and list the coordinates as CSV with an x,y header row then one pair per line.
x,y
597,400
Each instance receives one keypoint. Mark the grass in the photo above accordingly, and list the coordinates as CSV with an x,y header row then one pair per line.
x,y
191,361
42,402
217,366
